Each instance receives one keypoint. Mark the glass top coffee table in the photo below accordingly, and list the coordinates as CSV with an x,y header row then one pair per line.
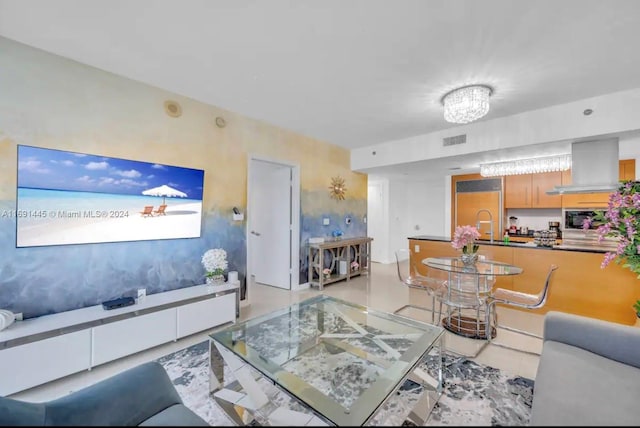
x,y
340,361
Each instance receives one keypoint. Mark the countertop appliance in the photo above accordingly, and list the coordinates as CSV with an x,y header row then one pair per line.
x,y
574,236
574,219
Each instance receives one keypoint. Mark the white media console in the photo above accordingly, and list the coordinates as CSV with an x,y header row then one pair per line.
x,y
42,349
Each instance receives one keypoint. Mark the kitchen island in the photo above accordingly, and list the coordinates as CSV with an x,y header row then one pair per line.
x,y
579,286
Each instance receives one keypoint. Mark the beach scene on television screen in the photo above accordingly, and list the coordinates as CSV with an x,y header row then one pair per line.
x,y
75,198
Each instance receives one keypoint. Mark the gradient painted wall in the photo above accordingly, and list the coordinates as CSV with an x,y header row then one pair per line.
x,y
52,102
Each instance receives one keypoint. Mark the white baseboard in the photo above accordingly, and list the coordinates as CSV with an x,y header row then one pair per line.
x,y
300,287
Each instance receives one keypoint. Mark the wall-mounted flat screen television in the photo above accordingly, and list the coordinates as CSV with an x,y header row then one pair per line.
x,y
76,198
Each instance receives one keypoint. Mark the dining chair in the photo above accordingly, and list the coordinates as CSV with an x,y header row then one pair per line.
x,y
466,299
411,278
519,300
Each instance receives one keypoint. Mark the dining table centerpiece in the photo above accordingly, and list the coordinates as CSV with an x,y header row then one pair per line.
x,y
464,238
621,220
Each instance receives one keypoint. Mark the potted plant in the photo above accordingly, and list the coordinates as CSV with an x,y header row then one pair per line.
x,y
215,263
622,220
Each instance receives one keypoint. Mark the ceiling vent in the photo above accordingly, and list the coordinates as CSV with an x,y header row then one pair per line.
x,y
452,141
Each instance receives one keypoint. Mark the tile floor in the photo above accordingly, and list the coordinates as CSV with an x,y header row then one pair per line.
x,y
380,290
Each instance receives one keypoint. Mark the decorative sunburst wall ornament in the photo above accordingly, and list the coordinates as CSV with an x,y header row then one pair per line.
x,y
337,188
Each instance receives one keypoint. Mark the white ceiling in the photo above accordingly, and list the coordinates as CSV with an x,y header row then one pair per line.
x,y
349,72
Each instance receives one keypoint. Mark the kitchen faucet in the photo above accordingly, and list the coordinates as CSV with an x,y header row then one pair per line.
x,y
490,222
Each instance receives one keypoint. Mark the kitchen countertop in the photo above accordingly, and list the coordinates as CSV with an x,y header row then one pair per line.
x,y
510,244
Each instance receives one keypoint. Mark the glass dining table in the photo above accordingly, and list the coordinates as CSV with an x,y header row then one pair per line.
x,y
466,292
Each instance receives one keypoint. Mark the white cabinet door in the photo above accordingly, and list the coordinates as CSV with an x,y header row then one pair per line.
x,y
206,314
121,338
25,366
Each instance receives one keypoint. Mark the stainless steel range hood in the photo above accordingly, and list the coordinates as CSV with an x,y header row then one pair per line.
x,y
594,168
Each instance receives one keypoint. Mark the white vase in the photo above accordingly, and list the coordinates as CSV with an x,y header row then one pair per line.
x,y
215,280
6,318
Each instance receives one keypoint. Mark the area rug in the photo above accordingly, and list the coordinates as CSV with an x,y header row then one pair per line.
x,y
474,394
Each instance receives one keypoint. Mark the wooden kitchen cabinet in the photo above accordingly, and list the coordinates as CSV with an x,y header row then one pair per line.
x,y
517,191
579,286
529,190
627,171
540,183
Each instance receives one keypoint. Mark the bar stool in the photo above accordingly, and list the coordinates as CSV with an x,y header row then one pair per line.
x,y
519,300
412,279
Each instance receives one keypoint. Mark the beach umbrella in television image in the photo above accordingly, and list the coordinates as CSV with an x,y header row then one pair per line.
x,y
164,191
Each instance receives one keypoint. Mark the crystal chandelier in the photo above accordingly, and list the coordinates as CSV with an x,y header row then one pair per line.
x,y
466,104
526,166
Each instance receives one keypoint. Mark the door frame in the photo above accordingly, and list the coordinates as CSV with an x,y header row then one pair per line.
x,y
381,226
294,260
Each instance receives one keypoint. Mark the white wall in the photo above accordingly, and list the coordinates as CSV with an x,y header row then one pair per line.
x,y
613,114
534,219
425,207
411,207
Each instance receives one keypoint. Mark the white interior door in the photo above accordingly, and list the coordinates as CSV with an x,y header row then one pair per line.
x,y
377,224
270,223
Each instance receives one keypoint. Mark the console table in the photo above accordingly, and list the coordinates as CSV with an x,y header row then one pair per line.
x,y
346,250
42,349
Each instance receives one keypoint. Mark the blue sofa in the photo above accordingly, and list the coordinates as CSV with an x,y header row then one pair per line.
x,y
589,373
143,395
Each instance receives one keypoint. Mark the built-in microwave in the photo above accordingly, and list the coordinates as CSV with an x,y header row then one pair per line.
x,y
574,219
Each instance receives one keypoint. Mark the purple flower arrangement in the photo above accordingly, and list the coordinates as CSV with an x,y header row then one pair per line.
x,y
621,220
464,238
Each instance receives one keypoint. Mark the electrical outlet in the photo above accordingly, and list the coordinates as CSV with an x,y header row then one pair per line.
x,y
416,248
325,221
18,316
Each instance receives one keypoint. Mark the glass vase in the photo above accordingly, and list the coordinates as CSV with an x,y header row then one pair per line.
x,y
215,280
469,258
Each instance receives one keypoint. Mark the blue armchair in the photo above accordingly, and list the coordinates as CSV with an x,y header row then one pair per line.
x,y
143,395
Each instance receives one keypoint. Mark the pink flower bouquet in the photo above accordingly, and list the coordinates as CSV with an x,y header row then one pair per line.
x,y
464,238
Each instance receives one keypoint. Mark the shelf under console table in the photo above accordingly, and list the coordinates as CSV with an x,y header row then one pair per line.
x,y
331,252
42,349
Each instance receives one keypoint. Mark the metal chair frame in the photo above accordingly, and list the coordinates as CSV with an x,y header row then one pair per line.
x,y
540,300
420,282
467,292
